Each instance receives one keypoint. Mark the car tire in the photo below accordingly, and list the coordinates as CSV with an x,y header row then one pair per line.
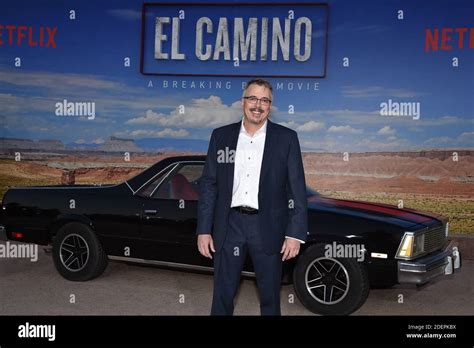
x,y
77,253
314,273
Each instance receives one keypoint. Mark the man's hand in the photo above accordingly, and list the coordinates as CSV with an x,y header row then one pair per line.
x,y
205,243
291,248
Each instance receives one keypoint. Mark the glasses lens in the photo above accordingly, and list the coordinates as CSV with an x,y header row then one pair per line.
x,y
253,100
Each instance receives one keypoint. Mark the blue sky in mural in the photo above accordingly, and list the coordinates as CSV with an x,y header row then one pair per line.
x,y
387,62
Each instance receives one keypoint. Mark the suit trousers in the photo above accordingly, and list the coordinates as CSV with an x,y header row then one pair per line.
x,y
243,236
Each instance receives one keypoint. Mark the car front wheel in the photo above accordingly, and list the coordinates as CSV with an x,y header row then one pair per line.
x,y
330,286
78,254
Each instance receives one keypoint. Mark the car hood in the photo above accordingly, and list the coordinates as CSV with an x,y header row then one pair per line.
x,y
374,209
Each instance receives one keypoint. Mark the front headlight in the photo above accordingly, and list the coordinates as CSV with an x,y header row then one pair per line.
x,y
411,245
406,247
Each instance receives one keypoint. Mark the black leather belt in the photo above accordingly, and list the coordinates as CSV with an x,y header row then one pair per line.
x,y
246,210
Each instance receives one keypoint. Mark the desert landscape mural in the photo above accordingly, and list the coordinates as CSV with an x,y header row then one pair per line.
x,y
440,181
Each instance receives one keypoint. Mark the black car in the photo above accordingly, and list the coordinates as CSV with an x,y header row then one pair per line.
x,y
151,218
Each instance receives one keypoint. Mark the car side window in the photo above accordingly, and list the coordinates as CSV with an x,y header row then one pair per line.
x,y
181,184
150,188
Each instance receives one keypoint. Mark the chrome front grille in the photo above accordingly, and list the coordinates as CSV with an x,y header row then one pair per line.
x,y
434,238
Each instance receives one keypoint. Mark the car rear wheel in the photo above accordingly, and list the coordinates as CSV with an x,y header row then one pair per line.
x,y
330,286
78,254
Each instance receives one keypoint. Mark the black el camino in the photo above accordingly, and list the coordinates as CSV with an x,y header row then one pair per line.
x,y
151,218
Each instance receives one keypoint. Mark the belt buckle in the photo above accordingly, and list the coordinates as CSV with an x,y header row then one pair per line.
x,y
244,209
247,210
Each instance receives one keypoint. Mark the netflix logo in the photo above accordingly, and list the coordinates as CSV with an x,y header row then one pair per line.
x,y
446,39
34,37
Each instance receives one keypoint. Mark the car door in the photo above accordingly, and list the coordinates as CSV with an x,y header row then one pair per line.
x,y
169,215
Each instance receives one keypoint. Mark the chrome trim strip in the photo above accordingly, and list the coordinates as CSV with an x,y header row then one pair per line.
x,y
154,176
129,187
164,178
412,270
161,171
169,264
379,255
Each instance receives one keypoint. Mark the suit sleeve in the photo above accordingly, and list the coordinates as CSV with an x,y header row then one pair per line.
x,y
298,216
208,190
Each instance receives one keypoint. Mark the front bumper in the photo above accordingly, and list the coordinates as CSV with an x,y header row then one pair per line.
x,y
3,233
424,269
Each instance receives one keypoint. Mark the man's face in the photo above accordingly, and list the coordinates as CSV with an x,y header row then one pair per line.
x,y
256,112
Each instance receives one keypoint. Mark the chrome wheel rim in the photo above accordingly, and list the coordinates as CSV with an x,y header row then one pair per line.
x,y
327,280
74,252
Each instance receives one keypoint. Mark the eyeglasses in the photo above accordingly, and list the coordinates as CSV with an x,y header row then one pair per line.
x,y
253,100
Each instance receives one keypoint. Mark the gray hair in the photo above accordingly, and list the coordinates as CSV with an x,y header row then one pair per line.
x,y
259,82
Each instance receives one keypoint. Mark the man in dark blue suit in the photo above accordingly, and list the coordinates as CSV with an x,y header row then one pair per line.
x,y
252,199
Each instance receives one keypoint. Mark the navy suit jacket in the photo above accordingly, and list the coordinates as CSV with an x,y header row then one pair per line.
x,y
281,179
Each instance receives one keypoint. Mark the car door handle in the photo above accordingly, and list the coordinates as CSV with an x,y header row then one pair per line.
x,y
150,212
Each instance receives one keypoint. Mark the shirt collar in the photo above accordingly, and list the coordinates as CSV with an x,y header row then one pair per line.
x,y
261,130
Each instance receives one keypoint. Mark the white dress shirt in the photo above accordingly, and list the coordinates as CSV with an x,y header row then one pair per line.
x,y
247,166
248,162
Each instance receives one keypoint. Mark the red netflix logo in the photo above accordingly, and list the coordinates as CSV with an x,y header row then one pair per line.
x,y
16,35
464,37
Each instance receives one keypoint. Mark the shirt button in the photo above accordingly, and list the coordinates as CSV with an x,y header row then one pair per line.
x,y
251,142
249,157
247,175
245,192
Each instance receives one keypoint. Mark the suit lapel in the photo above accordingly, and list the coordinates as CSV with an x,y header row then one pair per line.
x,y
270,141
233,138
